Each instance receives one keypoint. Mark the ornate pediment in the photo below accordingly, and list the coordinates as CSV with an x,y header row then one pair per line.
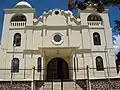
x,y
57,17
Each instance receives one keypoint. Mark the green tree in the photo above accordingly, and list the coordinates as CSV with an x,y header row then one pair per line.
x,y
107,3
104,2
82,4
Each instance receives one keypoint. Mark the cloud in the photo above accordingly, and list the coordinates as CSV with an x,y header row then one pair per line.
x,y
116,43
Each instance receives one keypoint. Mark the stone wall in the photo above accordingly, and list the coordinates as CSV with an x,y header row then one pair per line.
x,y
101,84
15,85
108,84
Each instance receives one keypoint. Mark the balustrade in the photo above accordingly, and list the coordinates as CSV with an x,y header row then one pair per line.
x,y
18,24
95,23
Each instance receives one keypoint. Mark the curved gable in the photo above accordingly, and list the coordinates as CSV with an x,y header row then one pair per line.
x,y
56,18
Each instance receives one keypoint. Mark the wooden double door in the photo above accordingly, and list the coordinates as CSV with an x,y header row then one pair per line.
x,y
57,69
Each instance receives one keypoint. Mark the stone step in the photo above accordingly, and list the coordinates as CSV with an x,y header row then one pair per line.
x,y
57,86
71,86
47,86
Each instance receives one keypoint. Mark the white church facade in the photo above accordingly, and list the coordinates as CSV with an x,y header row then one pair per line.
x,y
57,51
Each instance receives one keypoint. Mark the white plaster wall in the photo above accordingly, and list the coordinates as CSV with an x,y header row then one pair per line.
x,y
29,39
86,39
32,39
102,38
11,39
37,39
108,31
80,70
83,17
7,65
94,72
30,17
59,20
5,31
49,37
106,24
75,40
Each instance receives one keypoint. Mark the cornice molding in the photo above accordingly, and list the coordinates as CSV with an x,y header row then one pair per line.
x,y
20,10
57,27
92,10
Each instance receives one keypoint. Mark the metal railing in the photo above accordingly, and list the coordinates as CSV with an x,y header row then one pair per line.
x,y
27,73
74,76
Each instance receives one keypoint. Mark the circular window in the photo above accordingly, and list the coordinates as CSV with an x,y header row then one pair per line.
x,y
56,12
57,38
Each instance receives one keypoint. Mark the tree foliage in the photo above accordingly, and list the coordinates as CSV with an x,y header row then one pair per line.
x,y
98,4
109,3
104,2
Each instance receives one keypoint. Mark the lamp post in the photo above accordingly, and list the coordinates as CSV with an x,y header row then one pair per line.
x,y
33,78
11,80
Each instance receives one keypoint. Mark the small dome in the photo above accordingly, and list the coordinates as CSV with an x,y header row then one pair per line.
x,y
23,4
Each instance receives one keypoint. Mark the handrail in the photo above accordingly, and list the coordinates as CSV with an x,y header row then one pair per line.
x,y
6,73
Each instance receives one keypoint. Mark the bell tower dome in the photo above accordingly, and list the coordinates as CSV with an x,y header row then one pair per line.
x,y
23,4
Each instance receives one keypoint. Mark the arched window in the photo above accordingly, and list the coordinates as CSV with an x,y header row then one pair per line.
x,y
94,20
99,64
17,39
39,64
18,21
18,18
94,17
15,65
96,38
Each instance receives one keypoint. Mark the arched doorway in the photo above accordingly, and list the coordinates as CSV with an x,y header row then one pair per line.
x,y
57,68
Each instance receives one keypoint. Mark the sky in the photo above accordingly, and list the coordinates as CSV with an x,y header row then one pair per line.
x,y
45,5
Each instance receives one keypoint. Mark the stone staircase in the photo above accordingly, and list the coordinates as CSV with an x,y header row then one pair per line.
x,y
57,86
71,86
47,86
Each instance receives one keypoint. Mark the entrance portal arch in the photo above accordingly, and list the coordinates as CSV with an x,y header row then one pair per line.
x,y
57,68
